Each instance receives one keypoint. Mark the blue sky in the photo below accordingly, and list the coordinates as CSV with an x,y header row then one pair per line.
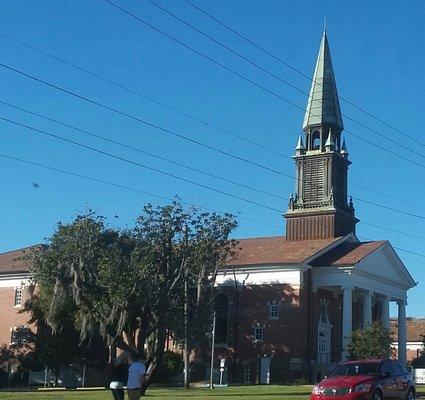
x,y
378,57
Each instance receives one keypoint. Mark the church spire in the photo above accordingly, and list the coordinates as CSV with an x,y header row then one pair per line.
x,y
320,208
323,103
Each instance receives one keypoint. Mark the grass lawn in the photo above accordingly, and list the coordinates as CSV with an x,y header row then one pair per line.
x,y
272,392
232,393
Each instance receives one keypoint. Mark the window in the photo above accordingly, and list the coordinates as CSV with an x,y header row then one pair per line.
x,y
316,140
386,369
273,311
18,297
20,335
397,369
247,374
258,333
357,369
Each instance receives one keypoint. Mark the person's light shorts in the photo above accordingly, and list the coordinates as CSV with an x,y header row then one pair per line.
x,y
116,385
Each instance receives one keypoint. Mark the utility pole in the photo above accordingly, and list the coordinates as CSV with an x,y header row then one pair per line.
x,y
186,318
212,351
186,346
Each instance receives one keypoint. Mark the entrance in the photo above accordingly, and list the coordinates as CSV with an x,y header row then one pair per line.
x,y
265,370
324,343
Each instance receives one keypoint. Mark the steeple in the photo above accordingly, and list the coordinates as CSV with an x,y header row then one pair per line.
x,y
300,149
323,103
320,207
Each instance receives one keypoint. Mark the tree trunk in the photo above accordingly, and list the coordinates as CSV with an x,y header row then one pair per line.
x,y
158,352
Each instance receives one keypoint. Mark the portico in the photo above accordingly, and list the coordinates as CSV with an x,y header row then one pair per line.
x,y
370,273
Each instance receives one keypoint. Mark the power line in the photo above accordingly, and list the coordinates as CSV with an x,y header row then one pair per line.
x,y
105,153
43,132
393,230
397,248
233,71
389,208
190,116
386,195
385,149
139,150
145,122
143,96
300,72
162,129
165,173
265,70
119,186
180,164
125,160
129,188
174,133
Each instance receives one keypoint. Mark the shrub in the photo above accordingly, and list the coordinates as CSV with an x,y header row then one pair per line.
x,y
372,342
171,365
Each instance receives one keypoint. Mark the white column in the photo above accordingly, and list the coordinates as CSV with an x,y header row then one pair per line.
x,y
402,331
367,309
347,319
385,312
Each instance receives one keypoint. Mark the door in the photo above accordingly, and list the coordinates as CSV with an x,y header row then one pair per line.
x,y
387,380
400,379
265,370
323,348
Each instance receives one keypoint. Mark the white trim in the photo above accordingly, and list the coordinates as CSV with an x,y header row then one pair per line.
x,y
400,263
291,277
12,281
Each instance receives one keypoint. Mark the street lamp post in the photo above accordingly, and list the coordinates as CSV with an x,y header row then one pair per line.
x,y
212,351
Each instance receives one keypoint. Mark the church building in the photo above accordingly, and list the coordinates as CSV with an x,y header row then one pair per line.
x,y
286,305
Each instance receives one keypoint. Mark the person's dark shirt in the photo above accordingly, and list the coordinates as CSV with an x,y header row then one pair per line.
x,y
119,373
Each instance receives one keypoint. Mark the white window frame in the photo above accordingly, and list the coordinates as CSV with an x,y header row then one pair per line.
x,y
12,330
19,292
258,333
273,310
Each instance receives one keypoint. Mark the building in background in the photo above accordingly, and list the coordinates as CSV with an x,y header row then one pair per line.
x,y
15,289
415,337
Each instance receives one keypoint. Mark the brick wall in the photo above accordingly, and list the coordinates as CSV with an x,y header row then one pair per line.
x,y
10,316
291,339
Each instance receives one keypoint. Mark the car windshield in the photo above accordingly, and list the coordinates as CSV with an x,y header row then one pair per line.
x,y
356,369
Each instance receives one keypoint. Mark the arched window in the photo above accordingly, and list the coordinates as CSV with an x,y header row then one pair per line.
x,y
315,138
221,305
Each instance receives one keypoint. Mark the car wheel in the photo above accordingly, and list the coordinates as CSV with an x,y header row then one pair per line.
x,y
410,394
377,395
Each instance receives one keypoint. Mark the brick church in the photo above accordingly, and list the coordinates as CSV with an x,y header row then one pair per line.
x,y
286,305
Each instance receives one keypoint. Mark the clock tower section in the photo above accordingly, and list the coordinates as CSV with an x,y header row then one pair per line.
x,y
320,208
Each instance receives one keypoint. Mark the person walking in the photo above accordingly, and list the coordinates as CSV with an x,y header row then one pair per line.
x,y
136,376
118,377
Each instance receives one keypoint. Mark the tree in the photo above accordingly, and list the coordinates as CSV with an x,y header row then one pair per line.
x,y
371,342
419,361
129,285
53,349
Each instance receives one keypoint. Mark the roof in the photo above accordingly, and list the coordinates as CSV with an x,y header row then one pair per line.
x,y
323,103
348,253
276,250
414,332
11,262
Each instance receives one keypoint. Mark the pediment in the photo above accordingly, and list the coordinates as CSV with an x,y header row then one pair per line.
x,y
384,263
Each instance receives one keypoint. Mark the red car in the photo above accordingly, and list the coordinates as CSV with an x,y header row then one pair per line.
x,y
367,380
